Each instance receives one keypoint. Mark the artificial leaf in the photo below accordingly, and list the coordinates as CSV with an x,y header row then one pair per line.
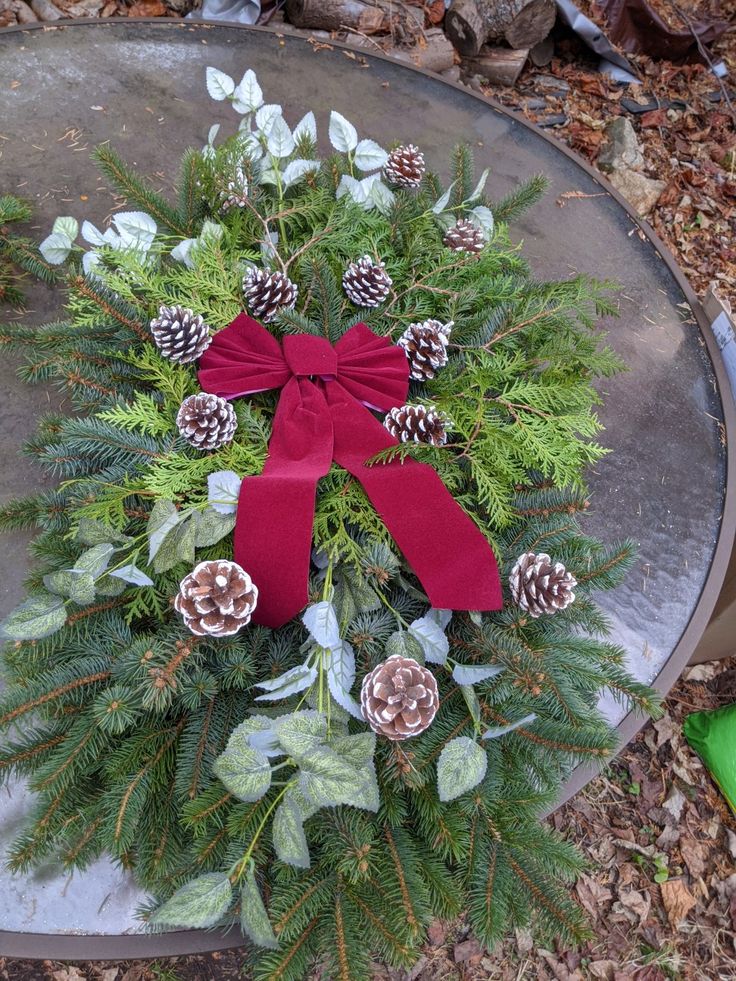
x,y
55,248
403,643
307,126
342,133
162,519
497,731
93,532
66,225
245,771
199,904
183,252
483,217
480,186
341,676
288,683
280,142
369,155
92,234
178,545
132,574
137,229
440,617
254,921
82,589
301,731
287,832
223,490
38,617
219,85
248,95
95,560
461,766
381,196
210,526
320,619
297,169
432,638
444,200
265,118
473,702
352,187
471,674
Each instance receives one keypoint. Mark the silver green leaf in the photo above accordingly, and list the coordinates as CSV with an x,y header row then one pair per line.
x,y
320,619
301,731
471,674
38,617
211,527
288,683
132,574
199,904
403,643
219,85
245,771
254,921
162,519
497,731
93,532
461,766
95,560
342,133
289,840
178,545
432,637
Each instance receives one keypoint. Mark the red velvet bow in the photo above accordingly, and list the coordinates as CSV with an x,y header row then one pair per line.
x,y
321,417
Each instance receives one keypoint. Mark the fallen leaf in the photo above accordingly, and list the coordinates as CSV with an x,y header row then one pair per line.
x,y
694,855
677,901
637,903
674,802
592,894
147,8
468,950
602,969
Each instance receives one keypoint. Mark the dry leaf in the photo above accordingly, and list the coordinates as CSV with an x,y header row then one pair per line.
x,y
637,903
602,969
677,901
694,855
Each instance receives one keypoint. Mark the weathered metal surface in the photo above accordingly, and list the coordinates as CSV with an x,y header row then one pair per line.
x,y
141,86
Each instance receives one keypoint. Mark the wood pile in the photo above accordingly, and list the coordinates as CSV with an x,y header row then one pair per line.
x,y
482,40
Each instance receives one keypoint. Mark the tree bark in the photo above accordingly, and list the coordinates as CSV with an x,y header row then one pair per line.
x,y
434,52
336,15
521,23
501,66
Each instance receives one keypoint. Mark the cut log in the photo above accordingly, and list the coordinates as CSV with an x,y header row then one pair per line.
x,y
337,15
501,66
434,53
521,23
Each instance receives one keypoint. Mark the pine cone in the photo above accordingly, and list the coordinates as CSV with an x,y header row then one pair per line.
x,y
206,421
425,345
180,335
405,166
236,193
399,698
216,598
539,585
464,236
268,292
416,423
366,282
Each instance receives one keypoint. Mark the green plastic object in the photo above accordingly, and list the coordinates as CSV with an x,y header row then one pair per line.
x,y
713,737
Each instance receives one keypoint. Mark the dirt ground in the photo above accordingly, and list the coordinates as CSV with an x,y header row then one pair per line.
x,y
661,888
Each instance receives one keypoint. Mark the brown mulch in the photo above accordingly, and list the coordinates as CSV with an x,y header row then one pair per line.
x,y
660,890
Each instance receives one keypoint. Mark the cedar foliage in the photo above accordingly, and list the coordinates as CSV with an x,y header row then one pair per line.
x,y
116,718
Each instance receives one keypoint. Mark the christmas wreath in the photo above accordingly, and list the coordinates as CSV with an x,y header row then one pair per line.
x,y
310,641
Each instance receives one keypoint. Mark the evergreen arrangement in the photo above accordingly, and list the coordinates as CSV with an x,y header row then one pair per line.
x,y
334,783
17,252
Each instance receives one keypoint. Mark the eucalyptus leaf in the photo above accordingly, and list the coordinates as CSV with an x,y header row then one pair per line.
x,y
432,638
461,766
245,771
497,731
199,904
288,683
471,674
219,85
342,133
287,832
38,617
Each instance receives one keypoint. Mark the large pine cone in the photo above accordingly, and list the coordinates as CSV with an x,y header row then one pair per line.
x,y
405,166
425,345
268,292
418,424
539,585
464,236
366,282
179,334
217,598
399,698
206,421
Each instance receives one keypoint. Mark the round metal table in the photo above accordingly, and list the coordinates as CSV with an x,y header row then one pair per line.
x,y
141,85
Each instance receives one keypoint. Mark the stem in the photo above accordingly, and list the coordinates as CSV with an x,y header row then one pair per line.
x,y
401,621
238,869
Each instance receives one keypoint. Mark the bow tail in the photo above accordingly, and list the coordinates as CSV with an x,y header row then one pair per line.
x,y
446,550
273,532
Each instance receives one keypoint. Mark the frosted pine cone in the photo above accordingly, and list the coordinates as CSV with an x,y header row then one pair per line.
x,y
217,598
405,166
180,334
425,345
539,585
206,421
416,423
366,282
268,292
464,236
399,698
236,193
